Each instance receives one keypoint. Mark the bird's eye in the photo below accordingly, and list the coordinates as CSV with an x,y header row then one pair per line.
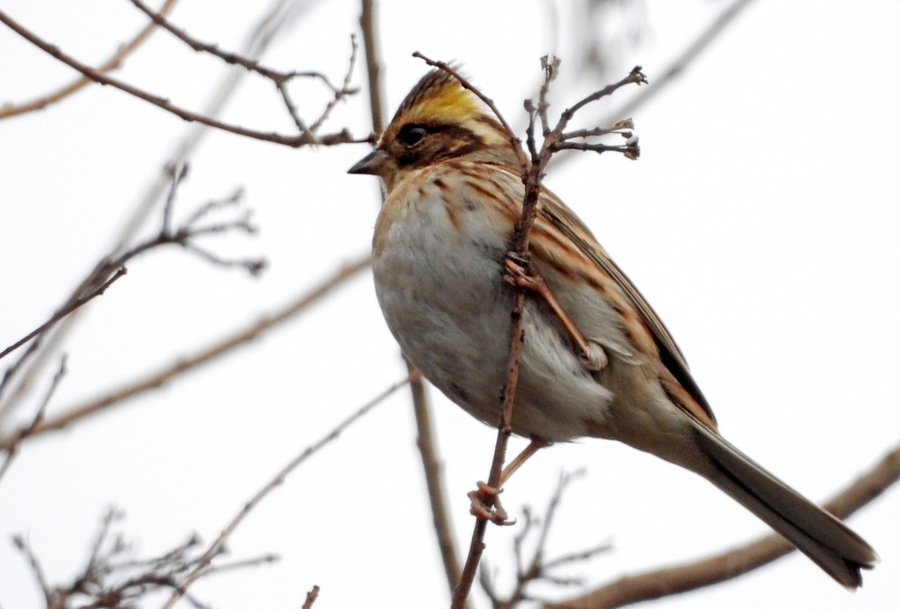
x,y
411,135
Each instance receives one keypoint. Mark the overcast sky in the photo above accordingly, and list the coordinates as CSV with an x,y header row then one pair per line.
x,y
760,222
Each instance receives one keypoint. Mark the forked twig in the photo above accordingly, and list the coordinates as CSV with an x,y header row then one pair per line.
x,y
538,569
110,270
262,33
112,579
281,79
305,138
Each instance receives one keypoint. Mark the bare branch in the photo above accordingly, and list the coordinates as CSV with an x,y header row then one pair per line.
x,y
155,380
122,51
631,151
281,79
178,173
727,565
216,546
551,69
109,580
476,546
205,47
303,139
373,66
432,467
109,270
22,544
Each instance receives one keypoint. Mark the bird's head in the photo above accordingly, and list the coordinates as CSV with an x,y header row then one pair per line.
x,y
439,120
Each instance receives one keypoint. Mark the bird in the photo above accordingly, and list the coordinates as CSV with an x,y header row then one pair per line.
x,y
596,360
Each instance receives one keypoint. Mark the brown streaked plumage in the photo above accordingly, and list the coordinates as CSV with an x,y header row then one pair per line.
x,y
439,254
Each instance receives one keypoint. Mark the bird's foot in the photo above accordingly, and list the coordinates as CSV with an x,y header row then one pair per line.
x,y
486,504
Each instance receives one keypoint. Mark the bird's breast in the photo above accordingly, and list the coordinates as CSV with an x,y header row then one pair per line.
x,y
438,263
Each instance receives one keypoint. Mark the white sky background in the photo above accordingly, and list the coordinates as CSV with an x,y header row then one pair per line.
x,y
760,222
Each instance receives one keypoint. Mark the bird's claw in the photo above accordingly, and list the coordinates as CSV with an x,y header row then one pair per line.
x,y
486,504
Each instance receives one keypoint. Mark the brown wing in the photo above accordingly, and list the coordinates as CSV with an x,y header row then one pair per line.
x,y
564,220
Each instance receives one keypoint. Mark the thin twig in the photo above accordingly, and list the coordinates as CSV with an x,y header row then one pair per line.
x,y
215,547
564,480
634,77
732,563
551,69
281,79
628,150
265,559
69,307
21,542
213,49
122,51
254,266
38,417
214,205
344,91
295,141
158,379
112,515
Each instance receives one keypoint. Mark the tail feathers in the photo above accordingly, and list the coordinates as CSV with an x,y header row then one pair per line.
x,y
826,540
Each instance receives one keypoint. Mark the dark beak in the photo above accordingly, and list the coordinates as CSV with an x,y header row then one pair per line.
x,y
370,164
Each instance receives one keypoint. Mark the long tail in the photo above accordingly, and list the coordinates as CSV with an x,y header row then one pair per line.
x,y
815,532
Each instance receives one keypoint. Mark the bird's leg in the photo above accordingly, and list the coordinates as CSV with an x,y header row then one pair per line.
x,y
479,498
591,354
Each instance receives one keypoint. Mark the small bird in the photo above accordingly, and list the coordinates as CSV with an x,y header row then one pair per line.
x,y
596,359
